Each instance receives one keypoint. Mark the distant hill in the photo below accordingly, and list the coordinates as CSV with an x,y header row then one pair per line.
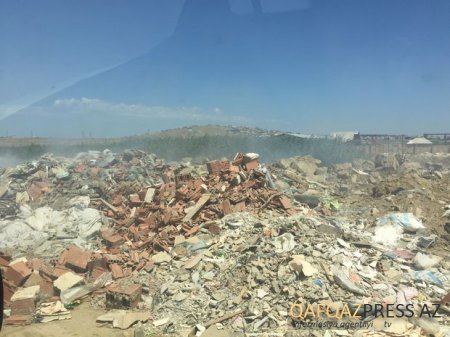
x,y
198,142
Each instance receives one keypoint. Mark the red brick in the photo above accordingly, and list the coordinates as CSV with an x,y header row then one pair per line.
x,y
5,256
234,169
168,190
3,262
190,231
135,200
116,271
127,272
123,297
19,320
248,184
252,165
110,258
149,266
8,290
46,272
140,265
75,259
46,288
23,307
97,272
240,207
59,270
18,273
226,207
152,220
33,280
36,264
112,238
145,255
285,202
134,257
216,166
97,261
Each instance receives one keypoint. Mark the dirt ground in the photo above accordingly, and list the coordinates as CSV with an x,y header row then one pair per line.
x,y
412,193
81,324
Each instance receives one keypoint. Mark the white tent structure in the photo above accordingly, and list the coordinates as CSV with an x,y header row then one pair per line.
x,y
420,141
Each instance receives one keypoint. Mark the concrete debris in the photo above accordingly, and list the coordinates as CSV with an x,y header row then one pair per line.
x,y
67,281
300,265
26,293
223,248
122,319
344,281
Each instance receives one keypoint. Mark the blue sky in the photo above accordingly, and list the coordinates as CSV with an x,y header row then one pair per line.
x,y
302,65
48,44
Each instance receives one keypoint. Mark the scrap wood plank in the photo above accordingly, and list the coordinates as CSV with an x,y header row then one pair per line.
x,y
200,203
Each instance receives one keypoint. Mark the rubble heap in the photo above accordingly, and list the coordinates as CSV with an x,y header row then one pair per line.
x,y
227,247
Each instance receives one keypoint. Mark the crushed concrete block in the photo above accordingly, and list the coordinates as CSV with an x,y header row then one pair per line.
x,y
67,281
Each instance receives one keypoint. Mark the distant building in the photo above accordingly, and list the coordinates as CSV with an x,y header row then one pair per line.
x,y
345,136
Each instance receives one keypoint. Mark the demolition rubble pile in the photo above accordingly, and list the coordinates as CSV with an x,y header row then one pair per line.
x,y
223,248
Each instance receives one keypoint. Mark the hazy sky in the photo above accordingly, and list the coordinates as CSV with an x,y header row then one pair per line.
x,y
310,66
48,44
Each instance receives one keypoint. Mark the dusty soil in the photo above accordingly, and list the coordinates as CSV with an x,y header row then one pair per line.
x,y
81,324
412,193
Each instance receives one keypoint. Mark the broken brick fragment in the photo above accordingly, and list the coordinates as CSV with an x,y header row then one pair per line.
x,y
19,320
36,264
285,202
116,271
123,297
23,307
97,272
248,184
234,168
168,190
140,265
135,200
226,207
4,261
252,165
149,266
46,271
239,207
8,290
113,239
217,166
18,273
75,259
59,270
